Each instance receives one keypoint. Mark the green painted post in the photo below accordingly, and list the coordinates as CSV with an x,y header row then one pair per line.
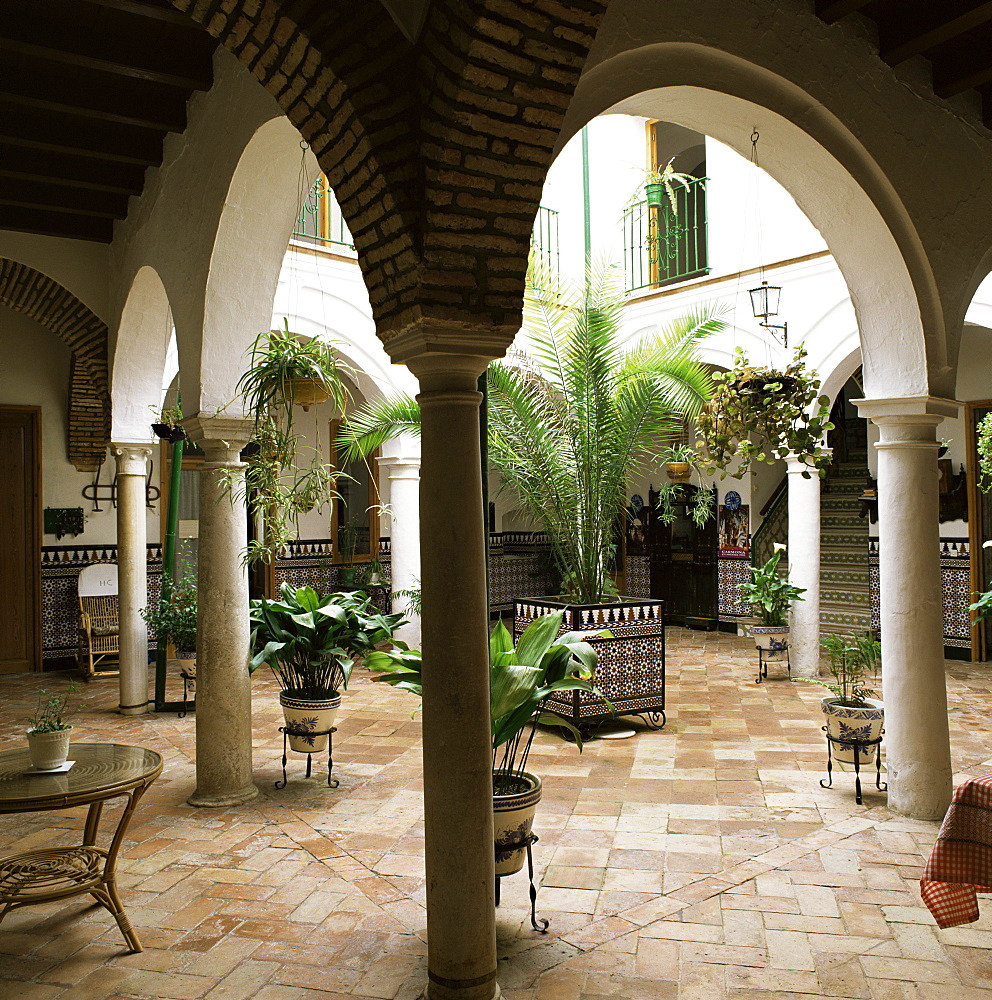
x,y
169,568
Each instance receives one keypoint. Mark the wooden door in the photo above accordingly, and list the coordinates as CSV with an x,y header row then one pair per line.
x,y
682,558
20,539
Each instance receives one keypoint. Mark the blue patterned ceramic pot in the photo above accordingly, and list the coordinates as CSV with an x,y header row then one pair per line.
x,y
774,638
513,817
307,716
854,724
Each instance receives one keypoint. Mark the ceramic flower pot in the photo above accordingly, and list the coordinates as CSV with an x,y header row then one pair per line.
x,y
49,750
678,472
772,638
513,817
859,724
306,717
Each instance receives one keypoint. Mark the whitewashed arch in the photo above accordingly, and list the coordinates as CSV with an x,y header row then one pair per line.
x,y
267,188
139,362
824,167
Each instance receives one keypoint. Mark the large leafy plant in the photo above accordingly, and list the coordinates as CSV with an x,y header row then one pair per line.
x,y
572,424
771,593
764,414
520,679
983,444
310,641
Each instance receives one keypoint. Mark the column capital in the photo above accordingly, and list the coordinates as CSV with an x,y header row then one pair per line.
x,y
922,410
400,468
794,465
132,457
440,372
219,435
429,338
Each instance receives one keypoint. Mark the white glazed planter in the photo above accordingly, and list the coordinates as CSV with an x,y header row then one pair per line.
x,y
49,750
513,818
773,638
307,716
853,723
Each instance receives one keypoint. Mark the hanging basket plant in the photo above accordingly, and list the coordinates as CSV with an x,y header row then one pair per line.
x,y
679,462
763,414
983,444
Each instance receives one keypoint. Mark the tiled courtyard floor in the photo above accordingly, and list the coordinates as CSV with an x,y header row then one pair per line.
x,y
700,862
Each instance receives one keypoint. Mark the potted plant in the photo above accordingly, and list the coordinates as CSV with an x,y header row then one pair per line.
x,y
310,643
521,678
764,414
174,619
49,732
284,478
771,594
659,185
853,716
169,426
983,445
570,430
679,461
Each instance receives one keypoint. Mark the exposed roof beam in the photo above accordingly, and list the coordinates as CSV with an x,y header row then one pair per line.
x,y
941,32
193,72
834,10
68,134
141,104
70,171
953,76
50,196
165,12
73,227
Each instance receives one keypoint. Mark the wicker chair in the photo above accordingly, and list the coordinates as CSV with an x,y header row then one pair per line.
x,y
99,640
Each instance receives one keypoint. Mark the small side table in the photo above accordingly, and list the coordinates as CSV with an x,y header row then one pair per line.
x,y
859,746
288,731
101,771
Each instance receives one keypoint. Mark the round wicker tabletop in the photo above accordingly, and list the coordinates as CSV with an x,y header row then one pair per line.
x,y
101,770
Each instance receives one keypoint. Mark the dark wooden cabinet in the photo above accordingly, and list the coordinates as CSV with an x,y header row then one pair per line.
x,y
682,558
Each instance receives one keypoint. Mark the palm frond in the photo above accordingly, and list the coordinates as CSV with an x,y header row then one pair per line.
x,y
371,425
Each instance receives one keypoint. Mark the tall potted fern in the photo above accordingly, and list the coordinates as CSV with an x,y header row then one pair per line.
x,y
572,424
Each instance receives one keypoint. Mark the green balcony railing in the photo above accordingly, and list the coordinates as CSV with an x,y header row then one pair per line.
x,y
320,218
661,246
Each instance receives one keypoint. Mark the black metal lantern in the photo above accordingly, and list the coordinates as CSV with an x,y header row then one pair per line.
x,y
764,303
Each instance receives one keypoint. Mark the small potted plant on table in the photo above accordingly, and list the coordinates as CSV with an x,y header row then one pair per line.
x,y
49,732
771,594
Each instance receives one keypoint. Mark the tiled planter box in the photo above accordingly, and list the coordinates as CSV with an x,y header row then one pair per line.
x,y
631,668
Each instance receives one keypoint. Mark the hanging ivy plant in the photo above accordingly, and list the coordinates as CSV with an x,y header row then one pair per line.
x,y
670,493
763,414
983,442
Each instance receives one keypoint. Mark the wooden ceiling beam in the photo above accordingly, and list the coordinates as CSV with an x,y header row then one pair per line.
x,y
164,12
941,32
66,133
833,10
70,171
52,196
189,69
46,223
953,76
95,95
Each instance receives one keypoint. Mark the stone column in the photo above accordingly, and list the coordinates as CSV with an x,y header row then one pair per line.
x,y
132,574
804,567
403,470
458,818
223,687
917,743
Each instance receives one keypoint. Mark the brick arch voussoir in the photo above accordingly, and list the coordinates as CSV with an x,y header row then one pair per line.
x,y
54,307
504,76
316,65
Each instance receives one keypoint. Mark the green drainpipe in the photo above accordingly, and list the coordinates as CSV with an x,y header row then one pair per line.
x,y
169,570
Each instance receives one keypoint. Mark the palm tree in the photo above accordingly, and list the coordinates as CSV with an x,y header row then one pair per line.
x,y
573,423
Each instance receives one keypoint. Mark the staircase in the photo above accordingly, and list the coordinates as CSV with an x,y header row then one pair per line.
x,y
845,603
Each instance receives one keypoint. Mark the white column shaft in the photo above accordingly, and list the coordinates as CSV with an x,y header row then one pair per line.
x,y
132,575
912,621
223,686
404,535
804,568
458,816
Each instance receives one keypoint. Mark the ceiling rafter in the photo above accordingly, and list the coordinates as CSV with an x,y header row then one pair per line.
x,y
941,31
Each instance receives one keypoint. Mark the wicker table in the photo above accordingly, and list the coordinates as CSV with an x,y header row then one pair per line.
x,y
101,771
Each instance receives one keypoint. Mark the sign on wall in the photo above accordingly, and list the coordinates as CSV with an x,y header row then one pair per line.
x,y
734,529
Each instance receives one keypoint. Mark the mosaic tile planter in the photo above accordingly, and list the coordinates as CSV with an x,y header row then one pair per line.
x,y
631,668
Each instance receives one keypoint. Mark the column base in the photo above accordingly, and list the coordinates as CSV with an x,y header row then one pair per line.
x,y
206,800
133,709
435,991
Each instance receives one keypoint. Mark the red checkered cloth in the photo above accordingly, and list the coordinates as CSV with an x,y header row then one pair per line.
x,y
960,863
